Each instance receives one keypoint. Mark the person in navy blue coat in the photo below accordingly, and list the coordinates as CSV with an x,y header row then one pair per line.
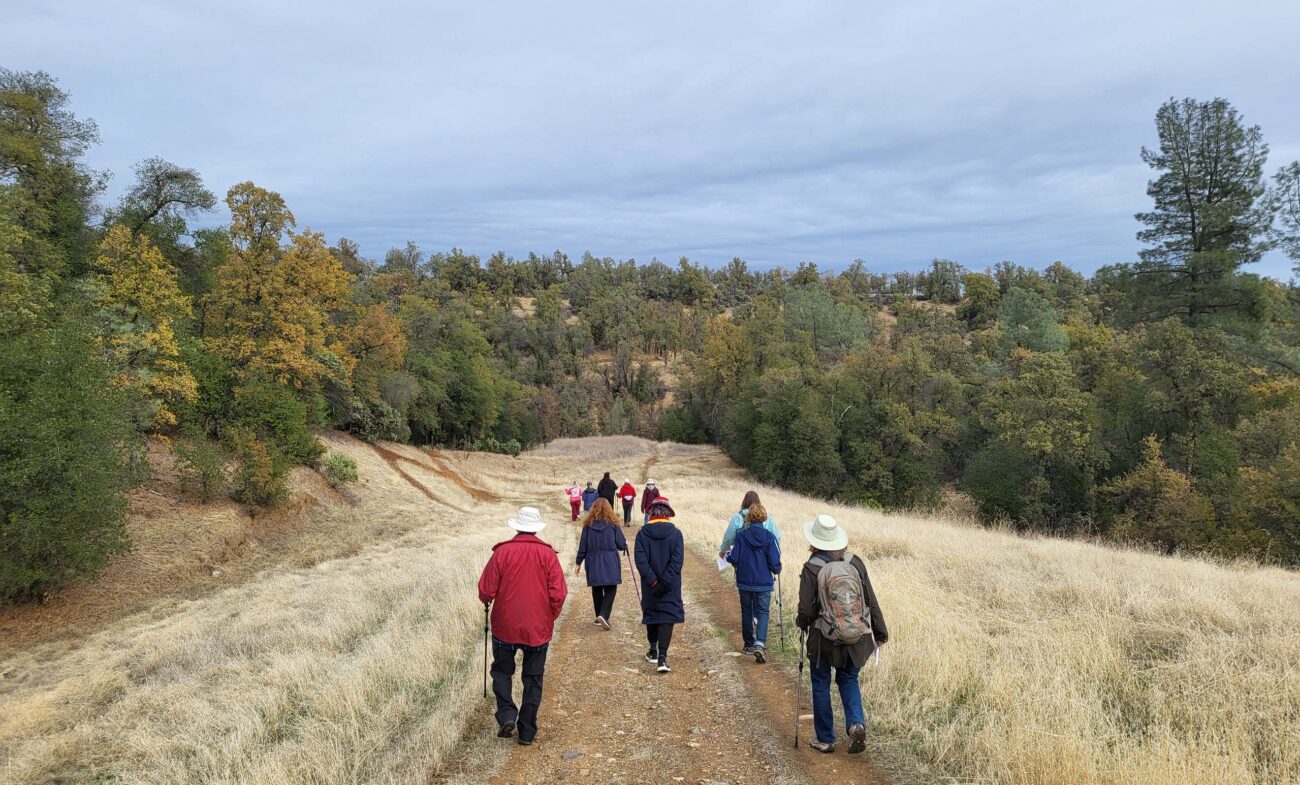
x,y
757,557
589,497
601,542
659,553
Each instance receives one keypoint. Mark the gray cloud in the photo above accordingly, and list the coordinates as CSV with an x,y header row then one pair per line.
x,y
776,132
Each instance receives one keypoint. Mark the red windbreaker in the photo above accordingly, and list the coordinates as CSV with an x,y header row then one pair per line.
x,y
627,493
525,584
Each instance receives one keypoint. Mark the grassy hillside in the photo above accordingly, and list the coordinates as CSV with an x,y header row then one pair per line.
x,y
1012,659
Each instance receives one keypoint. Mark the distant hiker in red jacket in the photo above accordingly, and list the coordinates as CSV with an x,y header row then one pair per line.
x,y
524,584
627,495
574,492
650,493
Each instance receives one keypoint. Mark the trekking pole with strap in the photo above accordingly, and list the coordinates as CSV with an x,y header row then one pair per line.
x,y
485,649
798,691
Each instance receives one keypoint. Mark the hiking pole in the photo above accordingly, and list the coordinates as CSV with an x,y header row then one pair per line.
x,y
798,692
635,583
485,649
780,611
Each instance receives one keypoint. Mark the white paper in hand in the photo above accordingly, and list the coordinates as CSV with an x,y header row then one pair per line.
x,y
723,564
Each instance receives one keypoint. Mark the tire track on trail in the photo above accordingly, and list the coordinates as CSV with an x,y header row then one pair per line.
x,y
394,460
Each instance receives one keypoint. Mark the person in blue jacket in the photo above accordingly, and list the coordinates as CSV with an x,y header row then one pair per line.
x,y
757,558
659,552
589,497
738,521
599,546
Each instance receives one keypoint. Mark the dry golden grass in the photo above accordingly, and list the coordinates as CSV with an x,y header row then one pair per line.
x,y
1033,660
362,669
1013,660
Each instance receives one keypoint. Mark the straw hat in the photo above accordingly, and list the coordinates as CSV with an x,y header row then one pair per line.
x,y
528,519
825,534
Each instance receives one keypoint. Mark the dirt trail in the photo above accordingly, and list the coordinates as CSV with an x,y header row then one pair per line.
x,y
608,717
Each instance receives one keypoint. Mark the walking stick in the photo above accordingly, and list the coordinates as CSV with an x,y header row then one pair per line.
x,y
780,610
798,692
636,584
485,649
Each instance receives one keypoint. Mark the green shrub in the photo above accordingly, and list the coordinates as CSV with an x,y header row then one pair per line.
x,y
201,465
259,477
375,421
66,447
277,415
339,469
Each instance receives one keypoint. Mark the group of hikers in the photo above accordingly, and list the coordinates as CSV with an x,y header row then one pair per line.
x,y
582,500
523,588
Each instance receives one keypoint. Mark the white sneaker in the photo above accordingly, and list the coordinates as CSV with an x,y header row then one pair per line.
x,y
663,667
600,622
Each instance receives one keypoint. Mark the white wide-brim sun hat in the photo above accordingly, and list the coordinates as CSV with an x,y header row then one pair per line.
x,y
825,534
528,519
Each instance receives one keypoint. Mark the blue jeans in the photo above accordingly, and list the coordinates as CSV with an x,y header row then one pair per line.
x,y
755,606
850,695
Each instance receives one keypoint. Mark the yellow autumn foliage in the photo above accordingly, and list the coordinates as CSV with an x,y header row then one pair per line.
x,y
271,305
141,300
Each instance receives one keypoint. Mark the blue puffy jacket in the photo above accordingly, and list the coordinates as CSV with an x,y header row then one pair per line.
x,y
589,498
757,557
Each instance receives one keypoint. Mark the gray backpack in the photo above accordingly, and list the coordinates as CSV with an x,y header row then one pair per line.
x,y
845,617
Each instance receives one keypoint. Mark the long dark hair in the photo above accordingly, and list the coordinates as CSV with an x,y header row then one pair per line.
x,y
751,498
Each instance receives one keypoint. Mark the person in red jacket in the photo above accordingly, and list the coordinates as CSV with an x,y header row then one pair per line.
x,y
524,584
627,495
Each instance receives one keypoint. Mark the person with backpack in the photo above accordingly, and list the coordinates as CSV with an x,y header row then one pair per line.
x,y
589,497
574,493
523,584
738,521
627,494
659,553
647,496
757,558
607,489
844,625
599,546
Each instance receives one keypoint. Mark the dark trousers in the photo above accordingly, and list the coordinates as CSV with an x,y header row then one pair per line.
x,y
602,597
503,672
660,636
627,513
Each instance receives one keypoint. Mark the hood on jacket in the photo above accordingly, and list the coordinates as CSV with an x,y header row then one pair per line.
x,y
658,531
755,535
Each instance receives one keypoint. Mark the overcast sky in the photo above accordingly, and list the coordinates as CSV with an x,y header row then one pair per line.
x,y
891,132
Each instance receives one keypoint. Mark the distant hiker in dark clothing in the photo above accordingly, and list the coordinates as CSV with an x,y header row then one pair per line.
x,y
589,498
757,558
574,494
838,610
650,493
524,583
738,521
627,495
607,489
659,553
601,542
